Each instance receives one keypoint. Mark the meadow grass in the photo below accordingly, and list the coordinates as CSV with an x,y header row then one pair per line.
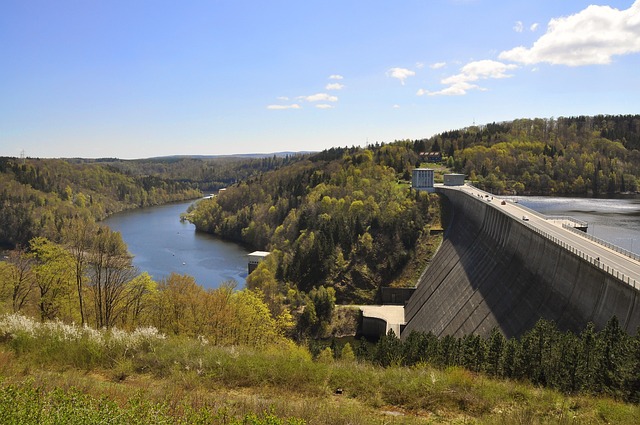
x,y
145,377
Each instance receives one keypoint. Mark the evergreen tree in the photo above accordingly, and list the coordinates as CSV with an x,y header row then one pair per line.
x,y
389,350
612,348
496,353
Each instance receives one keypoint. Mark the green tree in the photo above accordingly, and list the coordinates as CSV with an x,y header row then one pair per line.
x,y
326,355
17,277
78,238
53,276
253,323
141,293
324,300
496,353
389,350
587,360
612,352
308,320
179,307
347,354
110,271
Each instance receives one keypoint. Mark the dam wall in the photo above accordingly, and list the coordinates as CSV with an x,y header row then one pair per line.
x,y
495,270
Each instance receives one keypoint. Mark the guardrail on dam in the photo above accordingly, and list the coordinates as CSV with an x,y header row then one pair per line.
x,y
497,269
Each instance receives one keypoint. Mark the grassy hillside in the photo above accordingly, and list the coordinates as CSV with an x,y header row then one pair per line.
x,y
54,373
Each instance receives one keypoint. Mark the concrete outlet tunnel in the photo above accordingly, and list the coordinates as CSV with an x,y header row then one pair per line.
x,y
494,270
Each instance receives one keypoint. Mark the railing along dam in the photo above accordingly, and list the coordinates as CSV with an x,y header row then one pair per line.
x,y
503,266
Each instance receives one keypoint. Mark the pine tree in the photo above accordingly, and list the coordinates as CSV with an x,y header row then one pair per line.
x,y
612,347
495,357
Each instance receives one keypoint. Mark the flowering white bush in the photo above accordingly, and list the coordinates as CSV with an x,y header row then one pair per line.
x,y
18,325
14,324
61,331
132,340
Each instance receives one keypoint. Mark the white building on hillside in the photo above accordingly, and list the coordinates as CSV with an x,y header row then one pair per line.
x,y
422,179
255,258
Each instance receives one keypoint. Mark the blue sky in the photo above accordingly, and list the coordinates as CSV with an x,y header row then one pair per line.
x,y
136,79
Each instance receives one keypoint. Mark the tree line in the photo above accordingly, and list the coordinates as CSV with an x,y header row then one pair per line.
x,y
206,173
37,196
591,362
584,155
88,278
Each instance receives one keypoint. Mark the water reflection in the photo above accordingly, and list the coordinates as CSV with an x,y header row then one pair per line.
x,y
614,220
162,244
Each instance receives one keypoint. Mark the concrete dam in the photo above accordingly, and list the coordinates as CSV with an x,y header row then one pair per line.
x,y
499,268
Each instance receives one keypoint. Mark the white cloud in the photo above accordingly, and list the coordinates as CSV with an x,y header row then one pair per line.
x,y
400,73
283,98
319,97
518,27
324,106
459,84
534,27
590,37
281,107
438,65
480,70
336,77
459,88
334,86
419,65
396,106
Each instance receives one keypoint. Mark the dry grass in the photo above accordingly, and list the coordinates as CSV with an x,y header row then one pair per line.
x,y
182,378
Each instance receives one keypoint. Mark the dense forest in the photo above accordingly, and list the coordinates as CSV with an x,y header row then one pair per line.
x,y
584,156
208,174
341,218
38,195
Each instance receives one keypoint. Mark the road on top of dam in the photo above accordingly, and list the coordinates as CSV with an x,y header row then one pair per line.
x,y
617,264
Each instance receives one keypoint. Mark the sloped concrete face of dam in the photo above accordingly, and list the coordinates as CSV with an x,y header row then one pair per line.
x,y
493,270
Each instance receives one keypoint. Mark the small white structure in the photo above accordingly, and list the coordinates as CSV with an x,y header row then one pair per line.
x,y
422,179
255,258
454,179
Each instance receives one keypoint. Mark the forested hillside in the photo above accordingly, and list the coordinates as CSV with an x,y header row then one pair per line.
x,y
585,156
37,196
207,174
341,218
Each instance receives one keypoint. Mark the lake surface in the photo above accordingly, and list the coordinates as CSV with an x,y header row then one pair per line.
x,y
162,244
616,221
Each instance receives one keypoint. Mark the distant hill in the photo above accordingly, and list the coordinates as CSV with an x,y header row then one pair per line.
x,y
238,155
38,195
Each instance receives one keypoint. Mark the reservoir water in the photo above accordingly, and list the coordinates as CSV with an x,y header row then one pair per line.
x,y
162,244
616,221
